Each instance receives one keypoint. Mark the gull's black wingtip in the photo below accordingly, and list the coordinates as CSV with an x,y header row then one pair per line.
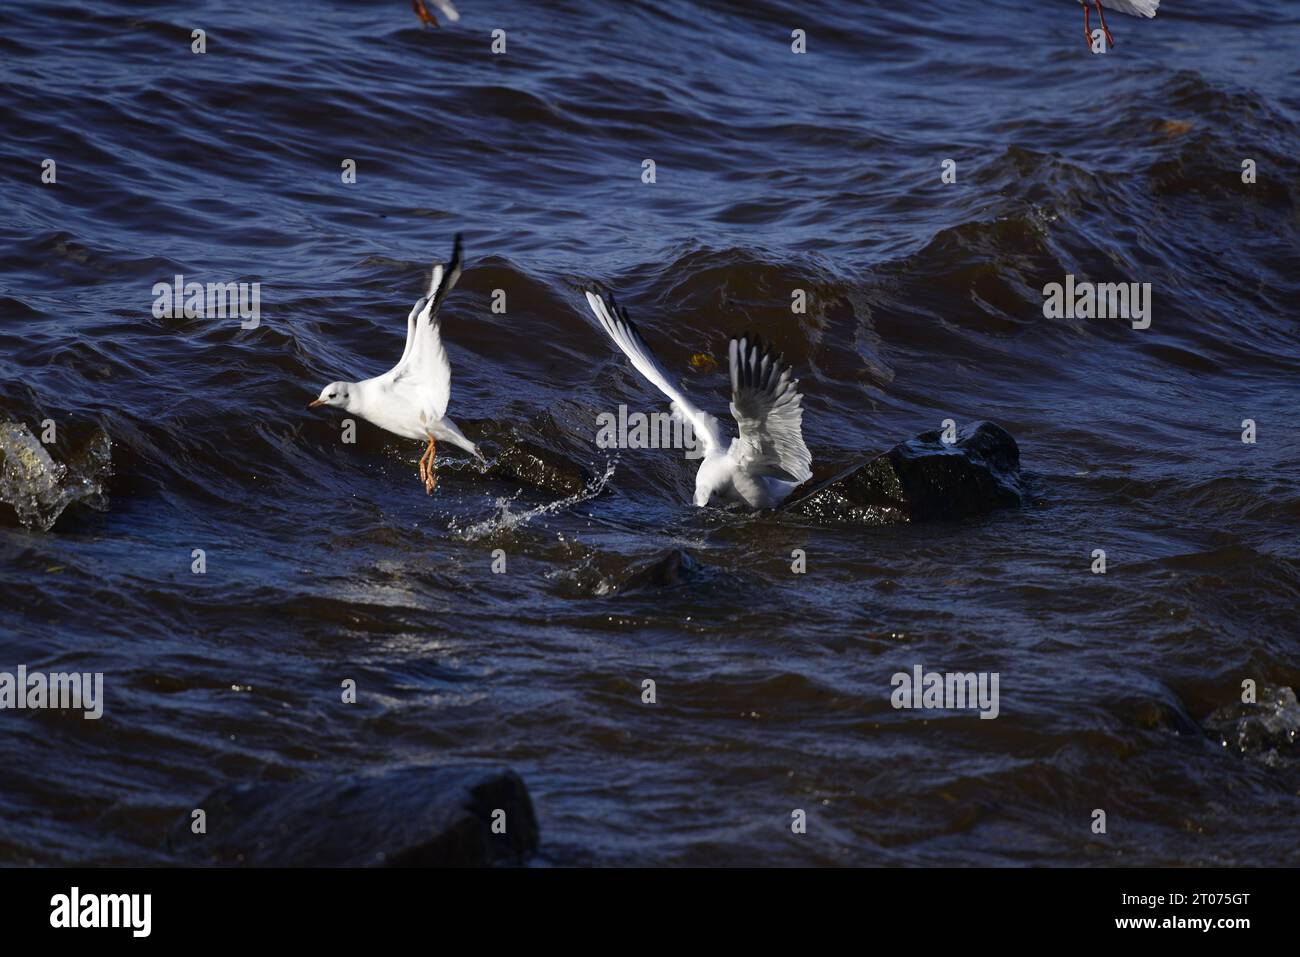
x,y
454,262
606,295
750,353
755,341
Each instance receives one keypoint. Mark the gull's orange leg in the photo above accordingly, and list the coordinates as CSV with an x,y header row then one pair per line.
x,y
423,13
424,463
1105,29
1087,24
430,480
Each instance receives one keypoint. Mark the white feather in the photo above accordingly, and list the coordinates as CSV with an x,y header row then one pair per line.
x,y
1134,8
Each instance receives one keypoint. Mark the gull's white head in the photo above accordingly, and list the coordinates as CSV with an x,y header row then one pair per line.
x,y
336,394
710,479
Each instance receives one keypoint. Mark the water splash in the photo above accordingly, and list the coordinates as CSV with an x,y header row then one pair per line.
x,y
507,520
1268,731
39,488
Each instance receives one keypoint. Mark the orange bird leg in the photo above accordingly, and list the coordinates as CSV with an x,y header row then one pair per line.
x,y
423,13
423,465
1109,39
430,480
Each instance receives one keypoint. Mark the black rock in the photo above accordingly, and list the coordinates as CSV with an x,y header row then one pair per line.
x,y
672,568
920,480
410,817
1170,716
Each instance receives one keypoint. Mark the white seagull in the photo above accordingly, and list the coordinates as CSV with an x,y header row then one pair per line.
x,y
1136,8
410,399
769,459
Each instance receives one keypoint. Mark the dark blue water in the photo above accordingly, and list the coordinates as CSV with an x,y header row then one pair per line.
x,y
774,171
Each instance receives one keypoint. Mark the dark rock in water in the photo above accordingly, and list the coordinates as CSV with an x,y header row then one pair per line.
x,y
675,567
1168,716
920,480
410,817
1268,731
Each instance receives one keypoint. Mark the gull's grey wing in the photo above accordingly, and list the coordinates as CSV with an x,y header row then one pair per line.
x,y
767,406
614,319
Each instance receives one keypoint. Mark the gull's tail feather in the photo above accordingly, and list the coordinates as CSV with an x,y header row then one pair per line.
x,y
445,7
427,18
449,431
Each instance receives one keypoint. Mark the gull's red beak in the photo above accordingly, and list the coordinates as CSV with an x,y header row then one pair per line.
x,y
313,403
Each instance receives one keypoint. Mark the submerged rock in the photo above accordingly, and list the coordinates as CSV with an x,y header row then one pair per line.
x,y
672,568
1268,731
37,488
920,480
1168,716
410,817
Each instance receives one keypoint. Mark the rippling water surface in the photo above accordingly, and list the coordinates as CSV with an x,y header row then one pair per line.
x,y
774,171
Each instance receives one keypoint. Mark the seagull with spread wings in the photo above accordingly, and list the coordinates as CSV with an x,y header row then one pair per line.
x,y
410,399
761,467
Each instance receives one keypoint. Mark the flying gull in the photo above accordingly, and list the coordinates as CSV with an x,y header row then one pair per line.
x,y
410,399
